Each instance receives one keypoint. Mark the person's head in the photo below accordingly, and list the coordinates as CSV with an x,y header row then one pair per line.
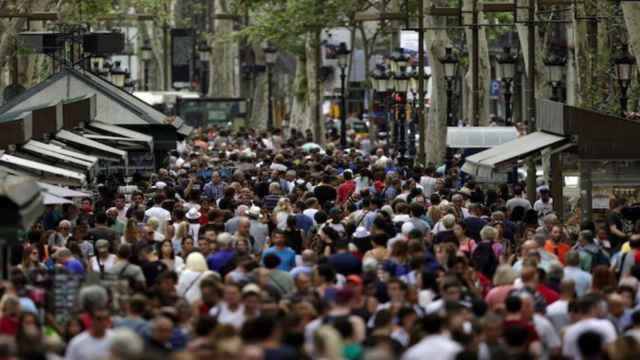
x,y
102,247
244,225
161,329
459,231
527,247
556,233
451,289
592,305
166,250
586,237
278,238
196,262
457,200
550,221
591,345
448,221
505,275
100,321
64,227
232,294
187,245
210,290
572,259
125,344
224,241
528,305
396,289
148,233
618,203
488,233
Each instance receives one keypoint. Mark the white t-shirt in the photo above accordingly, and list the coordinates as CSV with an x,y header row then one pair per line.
x,y
439,347
543,209
85,347
547,333
107,264
163,216
428,184
228,317
601,326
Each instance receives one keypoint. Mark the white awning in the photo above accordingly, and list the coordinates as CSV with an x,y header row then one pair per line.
x,y
62,191
42,152
63,151
113,138
65,135
37,167
121,131
484,164
50,199
484,137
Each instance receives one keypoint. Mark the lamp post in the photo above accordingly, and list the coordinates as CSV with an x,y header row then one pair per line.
x,y
507,63
553,65
401,79
381,82
270,53
118,75
625,67
204,52
343,60
146,52
414,88
450,62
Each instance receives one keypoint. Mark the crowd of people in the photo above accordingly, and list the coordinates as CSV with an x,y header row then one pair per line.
x,y
248,246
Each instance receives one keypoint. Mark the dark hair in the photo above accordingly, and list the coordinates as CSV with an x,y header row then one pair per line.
x,y
590,344
159,249
327,272
513,304
124,251
271,261
205,325
101,218
432,324
258,329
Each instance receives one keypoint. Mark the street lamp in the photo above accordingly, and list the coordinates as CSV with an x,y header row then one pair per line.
x,y
401,79
342,54
414,87
146,52
382,83
118,75
450,62
270,54
625,67
507,63
204,54
554,64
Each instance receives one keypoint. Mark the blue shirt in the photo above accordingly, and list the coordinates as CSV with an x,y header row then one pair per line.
x,y
287,257
74,266
304,223
220,259
582,279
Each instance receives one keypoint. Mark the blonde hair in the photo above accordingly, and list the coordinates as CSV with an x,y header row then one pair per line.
x,y
448,221
153,222
488,233
328,343
504,276
196,262
182,231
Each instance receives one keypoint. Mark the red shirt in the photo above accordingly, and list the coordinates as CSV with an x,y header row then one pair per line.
x,y
9,325
550,296
345,190
532,333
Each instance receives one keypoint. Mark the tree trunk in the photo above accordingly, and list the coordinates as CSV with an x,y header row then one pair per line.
x,y
631,11
260,98
300,111
437,41
222,67
523,32
484,67
314,87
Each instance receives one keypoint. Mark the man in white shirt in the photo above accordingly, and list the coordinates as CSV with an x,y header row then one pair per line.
x,y
158,212
231,310
93,343
543,206
435,345
592,309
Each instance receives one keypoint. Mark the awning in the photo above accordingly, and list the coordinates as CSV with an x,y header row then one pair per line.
x,y
37,167
65,135
50,199
121,131
119,140
484,137
62,191
43,152
484,164
63,151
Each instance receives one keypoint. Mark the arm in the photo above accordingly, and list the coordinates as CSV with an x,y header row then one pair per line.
x,y
615,231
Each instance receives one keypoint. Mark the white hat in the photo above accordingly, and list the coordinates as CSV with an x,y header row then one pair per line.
x,y
254,212
407,227
361,232
193,214
160,185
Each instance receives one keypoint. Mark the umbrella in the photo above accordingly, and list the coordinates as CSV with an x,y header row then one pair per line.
x,y
308,147
54,200
62,192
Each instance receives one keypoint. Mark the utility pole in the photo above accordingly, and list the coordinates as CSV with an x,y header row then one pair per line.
x,y
421,91
531,96
475,27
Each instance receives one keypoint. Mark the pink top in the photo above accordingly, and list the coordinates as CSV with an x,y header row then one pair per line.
x,y
497,295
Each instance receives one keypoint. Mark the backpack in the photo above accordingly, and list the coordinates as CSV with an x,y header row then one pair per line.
x,y
597,259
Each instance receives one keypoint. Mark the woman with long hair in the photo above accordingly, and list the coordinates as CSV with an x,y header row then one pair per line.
x,y
131,232
189,281
281,213
167,255
466,245
30,259
187,246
